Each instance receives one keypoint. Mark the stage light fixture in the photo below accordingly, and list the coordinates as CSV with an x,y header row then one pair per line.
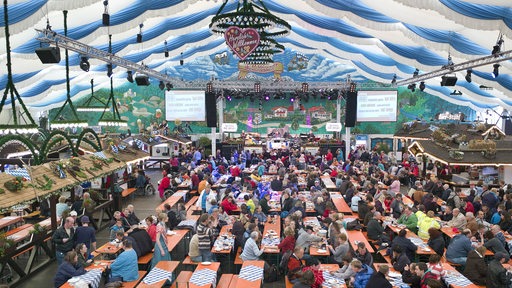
x,y
109,70
305,87
166,51
181,59
412,87
106,16
169,86
257,87
84,64
496,49
495,70
161,85
267,97
393,81
292,99
209,87
468,75
422,86
416,73
129,76
139,35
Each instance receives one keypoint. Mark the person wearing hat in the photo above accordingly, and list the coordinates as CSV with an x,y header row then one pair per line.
x,y
85,234
497,276
75,216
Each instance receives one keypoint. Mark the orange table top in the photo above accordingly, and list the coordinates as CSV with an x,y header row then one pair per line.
x,y
275,226
174,240
329,267
313,251
171,201
328,182
21,234
449,231
164,265
213,266
407,201
224,231
354,235
98,264
9,220
250,284
341,205
108,248
451,269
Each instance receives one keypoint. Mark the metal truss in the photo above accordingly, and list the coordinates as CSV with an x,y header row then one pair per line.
x,y
53,38
448,69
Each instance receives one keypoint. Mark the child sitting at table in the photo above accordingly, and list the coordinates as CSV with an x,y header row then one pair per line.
x,y
117,227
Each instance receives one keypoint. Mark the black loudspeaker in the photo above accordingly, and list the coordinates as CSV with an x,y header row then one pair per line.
x,y
508,126
142,80
48,55
448,80
351,109
106,19
211,110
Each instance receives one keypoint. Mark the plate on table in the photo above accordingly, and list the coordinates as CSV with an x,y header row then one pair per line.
x,y
218,249
206,263
171,232
321,251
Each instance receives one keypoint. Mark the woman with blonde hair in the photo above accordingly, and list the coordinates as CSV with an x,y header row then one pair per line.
x,y
161,252
288,243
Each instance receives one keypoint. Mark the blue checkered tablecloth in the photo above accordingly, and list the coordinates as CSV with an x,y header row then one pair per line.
x,y
156,275
22,172
418,242
270,241
331,281
203,277
221,243
92,277
100,154
455,278
188,222
251,273
397,282
336,195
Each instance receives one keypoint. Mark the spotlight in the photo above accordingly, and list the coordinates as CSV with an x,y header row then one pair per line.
x,y
267,97
84,64
109,70
209,87
468,75
496,70
393,81
412,87
228,98
139,35
166,52
422,86
161,85
292,99
169,86
257,87
106,16
496,49
181,59
416,73
129,77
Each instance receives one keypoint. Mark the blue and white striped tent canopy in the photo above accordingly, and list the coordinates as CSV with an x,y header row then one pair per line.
x,y
367,39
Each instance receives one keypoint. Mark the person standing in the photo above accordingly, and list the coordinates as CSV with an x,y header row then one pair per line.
x,y
85,234
161,252
63,238
205,237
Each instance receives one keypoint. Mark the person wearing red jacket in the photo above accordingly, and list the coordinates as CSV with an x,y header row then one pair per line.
x,y
235,171
164,184
314,265
295,265
229,205
288,243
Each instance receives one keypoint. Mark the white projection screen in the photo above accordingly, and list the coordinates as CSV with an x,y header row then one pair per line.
x,y
185,105
377,106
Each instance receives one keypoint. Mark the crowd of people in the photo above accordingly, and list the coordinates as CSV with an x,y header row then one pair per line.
x,y
373,184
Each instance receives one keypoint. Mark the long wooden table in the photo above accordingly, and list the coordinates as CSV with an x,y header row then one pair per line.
x,y
213,266
450,269
329,185
355,235
175,198
169,266
274,226
9,220
340,204
175,239
251,284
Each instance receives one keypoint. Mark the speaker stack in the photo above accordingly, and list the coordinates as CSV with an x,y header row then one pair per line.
x,y
211,109
351,109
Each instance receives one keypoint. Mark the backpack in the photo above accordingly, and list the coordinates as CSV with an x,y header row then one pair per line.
x,y
283,265
354,225
271,273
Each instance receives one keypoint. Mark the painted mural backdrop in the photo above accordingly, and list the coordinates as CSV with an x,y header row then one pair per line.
x,y
142,106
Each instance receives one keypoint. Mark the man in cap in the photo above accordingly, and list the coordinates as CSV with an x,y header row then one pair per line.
x,y
85,234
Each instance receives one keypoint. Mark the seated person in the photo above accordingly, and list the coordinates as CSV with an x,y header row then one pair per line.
x,y
306,237
68,269
251,250
295,264
193,251
125,267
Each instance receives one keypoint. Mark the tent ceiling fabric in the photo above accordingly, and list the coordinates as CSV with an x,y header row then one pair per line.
x,y
376,38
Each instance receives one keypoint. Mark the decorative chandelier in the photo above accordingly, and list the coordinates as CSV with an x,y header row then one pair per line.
x,y
254,14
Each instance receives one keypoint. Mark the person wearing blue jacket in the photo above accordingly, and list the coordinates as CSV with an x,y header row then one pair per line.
x,y
68,269
125,267
363,274
460,245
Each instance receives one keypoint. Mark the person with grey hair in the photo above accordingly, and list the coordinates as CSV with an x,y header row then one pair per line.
x,y
251,250
376,230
